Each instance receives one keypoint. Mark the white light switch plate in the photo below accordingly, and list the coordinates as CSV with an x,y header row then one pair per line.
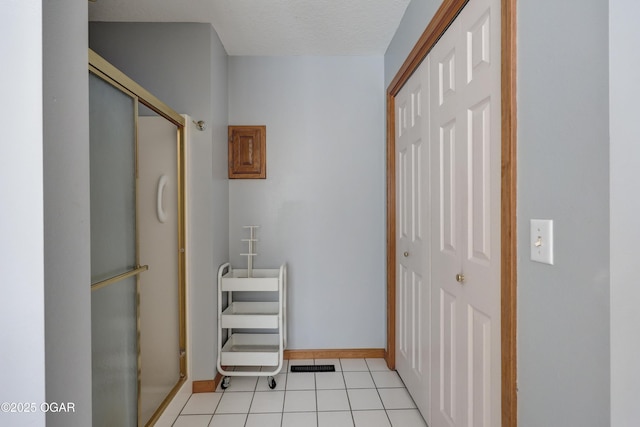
x,y
542,241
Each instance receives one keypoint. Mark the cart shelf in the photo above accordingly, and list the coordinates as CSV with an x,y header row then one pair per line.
x,y
251,350
251,315
263,280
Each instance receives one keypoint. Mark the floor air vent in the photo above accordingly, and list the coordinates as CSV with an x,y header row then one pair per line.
x,y
313,368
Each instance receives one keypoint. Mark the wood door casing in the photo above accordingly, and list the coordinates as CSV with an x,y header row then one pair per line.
x,y
441,20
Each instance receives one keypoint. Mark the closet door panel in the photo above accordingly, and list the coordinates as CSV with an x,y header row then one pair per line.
x,y
448,226
479,336
413,295
448,152
478,44
448,393
467,176
480,23
478,228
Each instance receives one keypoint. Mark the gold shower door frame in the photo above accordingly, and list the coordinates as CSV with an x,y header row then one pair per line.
x,y
110,74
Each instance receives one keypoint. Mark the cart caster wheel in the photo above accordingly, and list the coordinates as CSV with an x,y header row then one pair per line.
x,y
272,382
225,383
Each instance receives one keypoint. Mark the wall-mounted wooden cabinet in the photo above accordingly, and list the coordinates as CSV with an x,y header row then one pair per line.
x,y
247,152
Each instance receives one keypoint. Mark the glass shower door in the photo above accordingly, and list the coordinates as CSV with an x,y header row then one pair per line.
x,y
114,264
137,217
159,308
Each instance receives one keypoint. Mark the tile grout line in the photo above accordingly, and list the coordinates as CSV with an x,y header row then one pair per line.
x,y
346,390
315,386
246,420
384,406
284,396
380,397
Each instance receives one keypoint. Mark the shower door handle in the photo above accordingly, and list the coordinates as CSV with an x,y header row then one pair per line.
x,y
162,183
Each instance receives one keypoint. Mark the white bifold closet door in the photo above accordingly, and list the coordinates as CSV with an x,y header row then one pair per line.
x,y
461,269
465,168
413,300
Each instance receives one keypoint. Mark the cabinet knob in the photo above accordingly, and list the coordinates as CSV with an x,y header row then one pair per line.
x,y
460,278
406,254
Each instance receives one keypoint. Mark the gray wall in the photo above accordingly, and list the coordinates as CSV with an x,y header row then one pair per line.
x,y
45,257
184,65
22,358
563,174
415,20
624,61
321,208
66,210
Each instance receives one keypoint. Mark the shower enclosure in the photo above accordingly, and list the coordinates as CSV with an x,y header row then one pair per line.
x,y
137,249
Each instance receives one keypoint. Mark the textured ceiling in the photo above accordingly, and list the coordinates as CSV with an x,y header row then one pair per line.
x,y
274,27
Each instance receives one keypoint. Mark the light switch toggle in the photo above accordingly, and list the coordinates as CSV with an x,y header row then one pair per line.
x,y
542,241
538,242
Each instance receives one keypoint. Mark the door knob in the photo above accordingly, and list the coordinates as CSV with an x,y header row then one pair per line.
x,y
460,278
406,254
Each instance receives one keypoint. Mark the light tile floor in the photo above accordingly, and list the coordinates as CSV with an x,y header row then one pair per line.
x,y
361,393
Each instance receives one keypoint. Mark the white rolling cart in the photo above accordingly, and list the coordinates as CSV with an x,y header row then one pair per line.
x,y
238,342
